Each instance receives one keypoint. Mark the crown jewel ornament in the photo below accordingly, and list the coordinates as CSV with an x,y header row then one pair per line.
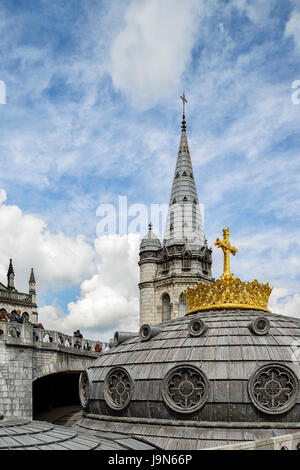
x,y
228,292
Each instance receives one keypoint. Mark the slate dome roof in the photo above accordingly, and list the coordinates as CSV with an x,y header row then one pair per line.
x,y
23,434
230,376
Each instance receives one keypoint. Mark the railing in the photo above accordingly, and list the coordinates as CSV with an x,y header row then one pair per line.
x,y
40,338
16,296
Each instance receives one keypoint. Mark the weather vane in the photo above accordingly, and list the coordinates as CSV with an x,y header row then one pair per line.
x,y
184,101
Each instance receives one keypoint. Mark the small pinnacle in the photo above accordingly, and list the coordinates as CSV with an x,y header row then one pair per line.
x,y
32,279
10,268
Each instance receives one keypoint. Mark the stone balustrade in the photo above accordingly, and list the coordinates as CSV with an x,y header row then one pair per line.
x,y
16,296
26,335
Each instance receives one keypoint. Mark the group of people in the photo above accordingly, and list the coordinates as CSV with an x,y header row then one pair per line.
x,y
18,318
14,317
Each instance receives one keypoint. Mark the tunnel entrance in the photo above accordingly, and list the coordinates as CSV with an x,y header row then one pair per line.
x,y
56,396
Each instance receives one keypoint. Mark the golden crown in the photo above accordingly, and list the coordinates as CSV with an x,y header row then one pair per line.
x,y
228,292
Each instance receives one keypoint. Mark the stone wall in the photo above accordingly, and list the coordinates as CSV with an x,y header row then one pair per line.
x,y
23,360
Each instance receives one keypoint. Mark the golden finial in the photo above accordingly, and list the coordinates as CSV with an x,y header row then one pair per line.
x,y
228,250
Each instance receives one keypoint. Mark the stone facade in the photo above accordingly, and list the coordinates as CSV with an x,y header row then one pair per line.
x,y
183,259
13,302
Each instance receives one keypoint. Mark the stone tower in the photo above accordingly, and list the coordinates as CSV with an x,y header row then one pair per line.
x,y
183,259
15,304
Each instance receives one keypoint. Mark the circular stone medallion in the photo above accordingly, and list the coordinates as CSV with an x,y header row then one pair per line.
x,y
273,388
260,326
185,389
118,388
196,327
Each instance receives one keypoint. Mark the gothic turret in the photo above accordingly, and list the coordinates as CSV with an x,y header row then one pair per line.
x,y
149,250
32,283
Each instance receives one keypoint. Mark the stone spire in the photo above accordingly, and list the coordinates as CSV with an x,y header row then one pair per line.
x,y
184,220
32,282
10,276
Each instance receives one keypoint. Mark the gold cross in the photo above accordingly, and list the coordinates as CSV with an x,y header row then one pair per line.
x,y
227,250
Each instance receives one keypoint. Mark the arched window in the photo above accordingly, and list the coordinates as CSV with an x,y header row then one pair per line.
x,y
166,307
25,317
3,315
186,262
182,305
14,316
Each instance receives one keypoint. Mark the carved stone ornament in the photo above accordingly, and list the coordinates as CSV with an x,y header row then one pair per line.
x,y
84,389
118,388
260,326
273,389
185,389
197,327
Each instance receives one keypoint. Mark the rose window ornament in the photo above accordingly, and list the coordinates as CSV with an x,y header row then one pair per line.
x,y
84,389
185,389
118,388
274,388
260,326
197,327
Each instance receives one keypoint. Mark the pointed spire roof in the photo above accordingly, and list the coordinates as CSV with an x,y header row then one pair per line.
x,y
10,276
184,220
32,278
10,269
183,183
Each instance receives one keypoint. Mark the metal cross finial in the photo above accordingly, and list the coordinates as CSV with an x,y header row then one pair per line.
x,y
228,250
184,101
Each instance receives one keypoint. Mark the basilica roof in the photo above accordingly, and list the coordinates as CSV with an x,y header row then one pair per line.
x,y
22,434
213,378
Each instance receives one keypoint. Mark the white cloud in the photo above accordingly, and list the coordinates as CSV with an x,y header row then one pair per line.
x,y
51,317
293,28
151,52
109,299
59,261
109,288
285,302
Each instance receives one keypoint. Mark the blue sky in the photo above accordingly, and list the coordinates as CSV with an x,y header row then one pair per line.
x,y
93,112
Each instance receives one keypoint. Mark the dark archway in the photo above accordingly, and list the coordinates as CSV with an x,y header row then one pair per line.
x,y
55,395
